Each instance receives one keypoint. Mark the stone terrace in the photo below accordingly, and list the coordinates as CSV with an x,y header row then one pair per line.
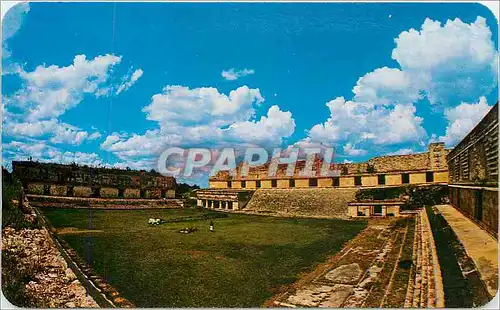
x,y
310,202
390,264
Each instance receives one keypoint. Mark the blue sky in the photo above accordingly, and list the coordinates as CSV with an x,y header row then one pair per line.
x,y
116,84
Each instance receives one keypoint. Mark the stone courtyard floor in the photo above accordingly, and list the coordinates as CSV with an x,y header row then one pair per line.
x,y
479,245
391,263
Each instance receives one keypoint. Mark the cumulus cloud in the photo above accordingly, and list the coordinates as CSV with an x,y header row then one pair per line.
x,y
39,150
11,23
180,105
462,119
451,63
203,117
129,81
351,150
446,64
48,92
403,151
354,121
233,74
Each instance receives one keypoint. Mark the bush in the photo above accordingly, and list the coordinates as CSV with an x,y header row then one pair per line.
x,y
418,196
12,214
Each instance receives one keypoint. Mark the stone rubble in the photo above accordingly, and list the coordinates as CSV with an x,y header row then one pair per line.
x,y
53,284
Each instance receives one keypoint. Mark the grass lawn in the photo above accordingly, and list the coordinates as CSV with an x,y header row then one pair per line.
x,y
241,264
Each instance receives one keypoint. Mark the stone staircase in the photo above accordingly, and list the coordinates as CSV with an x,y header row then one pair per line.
x,y
425,287
308,202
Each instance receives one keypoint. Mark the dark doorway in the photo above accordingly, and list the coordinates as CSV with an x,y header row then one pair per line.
x,y
478,211
96,192
377,210
163,193
429,177
381,179
291,182
258,184
313,182
357,180
243,184
229,185
336,182
274,183
142,193
46,189
69,192
121,193
405,178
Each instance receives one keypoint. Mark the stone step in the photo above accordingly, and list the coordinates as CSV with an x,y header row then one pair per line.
x,y
424,285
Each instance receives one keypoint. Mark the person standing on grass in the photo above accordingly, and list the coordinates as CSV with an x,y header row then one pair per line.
x,y
211,226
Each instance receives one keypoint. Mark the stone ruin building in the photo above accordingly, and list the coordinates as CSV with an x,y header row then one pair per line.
x,y
473,180
229,192
52,179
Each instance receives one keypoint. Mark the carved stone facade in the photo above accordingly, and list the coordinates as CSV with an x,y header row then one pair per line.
x,y
82,181
475,159
392,170
474,173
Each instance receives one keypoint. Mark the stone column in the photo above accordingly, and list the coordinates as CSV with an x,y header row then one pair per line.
x,y
226,205
199,203
235,205
384,210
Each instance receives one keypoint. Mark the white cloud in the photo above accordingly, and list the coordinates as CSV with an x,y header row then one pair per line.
x,y
49,91
180,105
60,132
403,151
446,64
351,150
39,150
233,74
129,81
353,121
95,135
203,117
462,119
11,23
452,62
269,130
386,86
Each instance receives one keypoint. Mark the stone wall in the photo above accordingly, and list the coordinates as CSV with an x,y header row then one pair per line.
x,y
475,158
37,189
51,284
58,190
108,192
480,204
102,203
82,191
309,202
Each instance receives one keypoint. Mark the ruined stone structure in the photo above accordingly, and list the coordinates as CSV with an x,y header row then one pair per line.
x,y
393,170
375,208
222,199
474,173
51,179
318,195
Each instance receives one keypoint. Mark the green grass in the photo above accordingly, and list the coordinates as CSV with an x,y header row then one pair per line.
x,y
241,264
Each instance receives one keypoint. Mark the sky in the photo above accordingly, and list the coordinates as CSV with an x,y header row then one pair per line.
x,y
115,84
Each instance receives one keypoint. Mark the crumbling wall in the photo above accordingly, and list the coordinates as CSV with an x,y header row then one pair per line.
x,y
82,191
58,190
310,202
108,192
35,188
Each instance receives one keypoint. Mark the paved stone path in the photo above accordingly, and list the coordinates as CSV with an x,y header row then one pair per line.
x,y
479,245
362,274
